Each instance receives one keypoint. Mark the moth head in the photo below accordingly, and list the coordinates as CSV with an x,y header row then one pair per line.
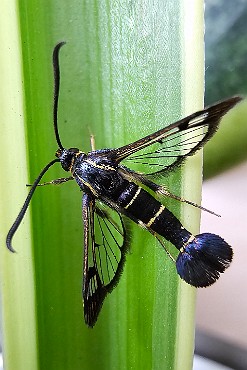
x,y
67,157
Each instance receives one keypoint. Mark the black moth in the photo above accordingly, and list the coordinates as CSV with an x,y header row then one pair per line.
x,y
111,190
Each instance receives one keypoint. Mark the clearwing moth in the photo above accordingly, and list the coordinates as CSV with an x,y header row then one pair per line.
x,y
113,192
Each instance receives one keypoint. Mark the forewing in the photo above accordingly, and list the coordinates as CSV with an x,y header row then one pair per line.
x,y
105,245
168,148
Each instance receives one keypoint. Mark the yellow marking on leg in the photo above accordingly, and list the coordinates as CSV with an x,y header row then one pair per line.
x,y
151,221
133,198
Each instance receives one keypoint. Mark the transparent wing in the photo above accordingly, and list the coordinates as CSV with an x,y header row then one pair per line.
x,y
105,245
168,148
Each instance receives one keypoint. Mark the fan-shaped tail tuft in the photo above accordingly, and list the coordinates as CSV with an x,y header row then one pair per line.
x,y
204,259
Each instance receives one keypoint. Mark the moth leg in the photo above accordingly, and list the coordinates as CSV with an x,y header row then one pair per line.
x,y
166,250
163,191
92,142
158,189
144,226
59,181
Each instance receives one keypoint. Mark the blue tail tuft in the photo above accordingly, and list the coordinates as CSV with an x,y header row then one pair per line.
x,y
203,259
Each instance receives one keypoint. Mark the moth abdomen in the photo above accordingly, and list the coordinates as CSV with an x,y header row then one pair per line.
x,y
202,258
142,206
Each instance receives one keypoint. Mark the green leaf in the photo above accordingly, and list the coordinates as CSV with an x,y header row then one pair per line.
x,y
128,68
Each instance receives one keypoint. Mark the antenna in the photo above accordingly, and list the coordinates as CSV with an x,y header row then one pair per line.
x,y
22,212
56,72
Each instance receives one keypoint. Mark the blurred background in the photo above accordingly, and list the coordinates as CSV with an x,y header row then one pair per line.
x,y
221,309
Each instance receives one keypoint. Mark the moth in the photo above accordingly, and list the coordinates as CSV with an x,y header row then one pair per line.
x,y
113,193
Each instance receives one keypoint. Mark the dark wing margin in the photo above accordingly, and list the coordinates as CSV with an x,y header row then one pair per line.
x,y
105,246
167,148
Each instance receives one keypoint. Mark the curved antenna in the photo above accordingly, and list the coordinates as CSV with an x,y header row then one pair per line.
x,y
22,212
56,72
